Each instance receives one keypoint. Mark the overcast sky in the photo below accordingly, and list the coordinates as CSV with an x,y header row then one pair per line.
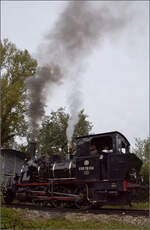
x,y
115,83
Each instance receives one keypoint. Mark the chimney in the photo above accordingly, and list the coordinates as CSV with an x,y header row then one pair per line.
x,y
32,148
69,151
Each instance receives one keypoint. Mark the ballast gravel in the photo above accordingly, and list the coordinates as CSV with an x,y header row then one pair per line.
x,y
34,215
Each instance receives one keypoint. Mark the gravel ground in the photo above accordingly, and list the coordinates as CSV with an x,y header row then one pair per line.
x,y
35,215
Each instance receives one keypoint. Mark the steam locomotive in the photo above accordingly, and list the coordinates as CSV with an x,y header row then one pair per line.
x,y
107,175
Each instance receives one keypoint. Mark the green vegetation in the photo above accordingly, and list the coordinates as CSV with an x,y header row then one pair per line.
x,y
52,138
142,150
16,66
141,205
14,219
135,205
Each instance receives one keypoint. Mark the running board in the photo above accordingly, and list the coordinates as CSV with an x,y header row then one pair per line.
x,y
56,198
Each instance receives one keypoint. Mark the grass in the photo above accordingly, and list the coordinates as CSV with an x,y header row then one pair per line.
x,y
135,205
141,205
14,219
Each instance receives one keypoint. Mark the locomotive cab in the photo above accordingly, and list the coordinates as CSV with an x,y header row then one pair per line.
x,y
95,150
109,158
109,169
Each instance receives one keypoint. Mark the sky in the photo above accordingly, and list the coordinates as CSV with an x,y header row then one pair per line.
x,y
114,86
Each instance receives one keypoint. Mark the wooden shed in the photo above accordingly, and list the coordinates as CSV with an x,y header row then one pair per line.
x,y
11,163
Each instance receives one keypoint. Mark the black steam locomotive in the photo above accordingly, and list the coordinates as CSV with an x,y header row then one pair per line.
x,y
102,171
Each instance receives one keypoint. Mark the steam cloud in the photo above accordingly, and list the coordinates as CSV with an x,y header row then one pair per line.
x,y
80,28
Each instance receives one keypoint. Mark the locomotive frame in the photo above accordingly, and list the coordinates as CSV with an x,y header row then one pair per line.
x,y
84,180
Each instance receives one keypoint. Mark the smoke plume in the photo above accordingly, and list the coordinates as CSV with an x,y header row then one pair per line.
x,y
81,27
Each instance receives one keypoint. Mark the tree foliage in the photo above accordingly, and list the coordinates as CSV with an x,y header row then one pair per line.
x,y
142,150
52,137
16,66
145,172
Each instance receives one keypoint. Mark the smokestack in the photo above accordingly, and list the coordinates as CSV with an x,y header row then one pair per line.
x,y
32,148
68,151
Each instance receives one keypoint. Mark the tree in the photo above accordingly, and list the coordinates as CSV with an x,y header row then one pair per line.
x,y
16,66
145,172
83,127
52,138
142,150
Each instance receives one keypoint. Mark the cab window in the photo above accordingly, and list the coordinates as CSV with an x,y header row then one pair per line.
x,y
102,142
122,145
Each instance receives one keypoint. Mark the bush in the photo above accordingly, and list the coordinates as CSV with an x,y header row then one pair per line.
x,y
145,172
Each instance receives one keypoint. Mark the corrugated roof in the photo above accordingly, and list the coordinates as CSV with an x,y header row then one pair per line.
x,y
21,155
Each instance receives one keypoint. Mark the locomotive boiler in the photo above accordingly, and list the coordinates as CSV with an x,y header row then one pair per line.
x,y
102,171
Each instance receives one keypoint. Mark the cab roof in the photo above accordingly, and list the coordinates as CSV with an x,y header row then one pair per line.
x,y
113,133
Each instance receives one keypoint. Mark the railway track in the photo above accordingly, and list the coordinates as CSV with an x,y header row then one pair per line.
x,y
112,211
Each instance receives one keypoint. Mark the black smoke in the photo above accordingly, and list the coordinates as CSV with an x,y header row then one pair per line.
x,y
81,27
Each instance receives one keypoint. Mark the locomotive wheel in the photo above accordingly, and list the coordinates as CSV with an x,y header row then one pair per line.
x,y
129,199
44,203
59,203
83,203
126,198
8,200
8,197
69,204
